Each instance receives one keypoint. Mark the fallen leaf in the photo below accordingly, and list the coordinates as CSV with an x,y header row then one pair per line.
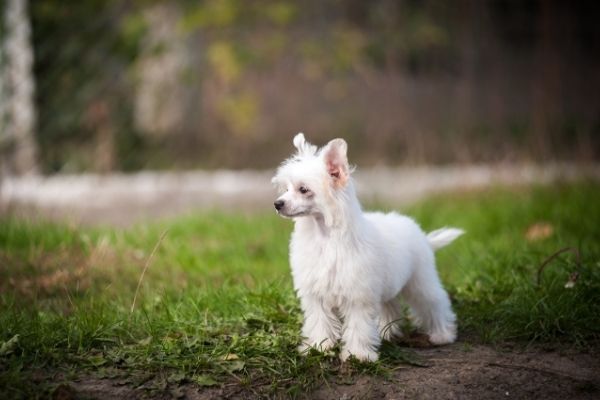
x,y
176,377
572,280
9,346
96,360
178,393
145,341
539,231
234,366
205,380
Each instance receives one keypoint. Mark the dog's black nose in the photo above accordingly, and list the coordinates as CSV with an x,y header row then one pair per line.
x,y
279,204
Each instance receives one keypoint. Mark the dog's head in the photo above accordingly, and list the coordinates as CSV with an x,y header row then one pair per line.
x,y
312,179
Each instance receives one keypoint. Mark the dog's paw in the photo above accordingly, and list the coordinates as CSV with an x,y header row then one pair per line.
x,y
365,355
322,346
443,337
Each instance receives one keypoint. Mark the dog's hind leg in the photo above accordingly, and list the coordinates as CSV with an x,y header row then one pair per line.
x,y
391,314
430,305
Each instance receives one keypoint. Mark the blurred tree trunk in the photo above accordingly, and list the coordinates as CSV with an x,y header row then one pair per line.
x,y
3,101
98,119
160,94
20,118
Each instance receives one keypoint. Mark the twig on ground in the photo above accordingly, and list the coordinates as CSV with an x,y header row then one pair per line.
x,y
553,256
162,236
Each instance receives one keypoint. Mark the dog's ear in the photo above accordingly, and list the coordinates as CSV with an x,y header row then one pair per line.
x,y
336,161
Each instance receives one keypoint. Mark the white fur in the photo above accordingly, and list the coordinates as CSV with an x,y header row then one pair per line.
x,y
350,268
443,237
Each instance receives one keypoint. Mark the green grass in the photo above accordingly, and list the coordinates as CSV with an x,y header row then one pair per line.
x,y
216,303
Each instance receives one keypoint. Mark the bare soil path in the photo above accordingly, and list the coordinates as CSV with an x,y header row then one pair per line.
x,y
480,372
458,371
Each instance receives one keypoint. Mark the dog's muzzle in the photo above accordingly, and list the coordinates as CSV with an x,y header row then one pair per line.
x,y
279,204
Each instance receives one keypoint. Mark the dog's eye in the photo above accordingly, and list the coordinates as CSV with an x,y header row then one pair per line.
x,y
303,189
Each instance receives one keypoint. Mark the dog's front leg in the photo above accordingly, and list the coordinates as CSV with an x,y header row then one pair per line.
x,y
360,333
321,328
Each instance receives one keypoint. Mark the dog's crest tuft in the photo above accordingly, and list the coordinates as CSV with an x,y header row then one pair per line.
x,y
304,148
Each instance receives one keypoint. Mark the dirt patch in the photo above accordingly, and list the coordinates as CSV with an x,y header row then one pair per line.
x,y
459,371
480,372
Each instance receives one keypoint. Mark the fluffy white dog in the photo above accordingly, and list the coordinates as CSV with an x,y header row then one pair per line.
x,y
350,267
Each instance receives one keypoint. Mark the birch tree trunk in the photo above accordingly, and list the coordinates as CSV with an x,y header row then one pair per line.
x,y
3,96
19,88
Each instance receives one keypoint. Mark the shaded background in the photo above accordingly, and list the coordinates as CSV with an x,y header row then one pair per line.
x,y
130,85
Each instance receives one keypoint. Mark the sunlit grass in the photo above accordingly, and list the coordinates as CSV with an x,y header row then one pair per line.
x,y
216,303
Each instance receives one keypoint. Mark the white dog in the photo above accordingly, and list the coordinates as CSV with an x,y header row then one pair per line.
x,y
350,267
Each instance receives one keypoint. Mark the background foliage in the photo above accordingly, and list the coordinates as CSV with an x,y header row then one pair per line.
x,y
221,83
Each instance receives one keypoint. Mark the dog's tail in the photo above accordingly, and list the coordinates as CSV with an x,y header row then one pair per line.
x,y
443,237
